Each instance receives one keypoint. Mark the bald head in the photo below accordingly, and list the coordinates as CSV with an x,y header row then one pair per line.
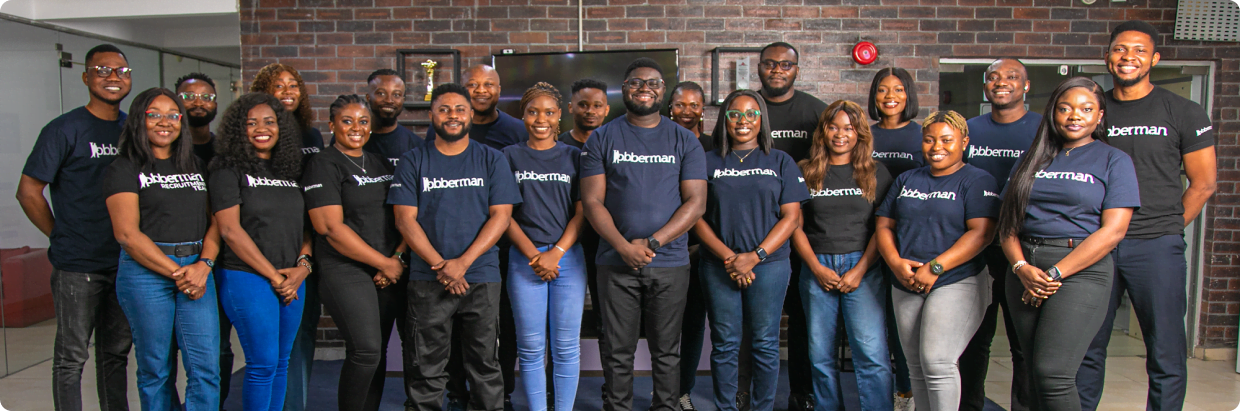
x,y
482,81
1007,80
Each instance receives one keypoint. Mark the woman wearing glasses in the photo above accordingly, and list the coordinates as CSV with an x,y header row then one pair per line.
x,y
930,230
753,205
157,199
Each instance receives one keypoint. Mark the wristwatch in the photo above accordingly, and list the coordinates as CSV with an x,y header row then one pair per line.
x,y
653,244
761,253
210,263
1054,273
304,261
935,267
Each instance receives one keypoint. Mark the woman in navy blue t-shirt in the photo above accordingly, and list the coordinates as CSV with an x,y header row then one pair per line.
x,y
930,229
1067,205
753,205
546,267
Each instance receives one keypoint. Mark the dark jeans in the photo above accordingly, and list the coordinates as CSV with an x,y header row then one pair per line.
x,y
1052,333
364,315
1153,273
86,304
693,330
800,374
658,294
432,313
975,362
301,361
457,387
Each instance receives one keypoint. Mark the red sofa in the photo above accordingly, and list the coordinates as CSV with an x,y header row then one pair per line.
x,y
27,277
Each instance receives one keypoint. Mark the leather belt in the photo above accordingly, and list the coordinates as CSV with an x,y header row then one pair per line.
x,y
1056,242
181,250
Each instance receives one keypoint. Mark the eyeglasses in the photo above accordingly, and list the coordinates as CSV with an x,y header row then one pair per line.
x,y
151,115
105,71
734,116
636,83
784,65
206,97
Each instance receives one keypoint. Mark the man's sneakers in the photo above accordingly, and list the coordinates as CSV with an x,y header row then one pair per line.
x,y
686,404
455,404
903,403
742,401
801,402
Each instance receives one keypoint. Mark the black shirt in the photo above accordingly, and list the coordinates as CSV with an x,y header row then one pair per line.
x,y
390,146
793,123
567,138
838,219
70,155
1157,131
331,179
205,151
172,206
311,142
272,213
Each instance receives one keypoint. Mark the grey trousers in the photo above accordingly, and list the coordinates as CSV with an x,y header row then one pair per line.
x,y
627,295
934,330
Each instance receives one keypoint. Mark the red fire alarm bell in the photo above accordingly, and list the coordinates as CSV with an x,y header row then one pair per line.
x,y
865,53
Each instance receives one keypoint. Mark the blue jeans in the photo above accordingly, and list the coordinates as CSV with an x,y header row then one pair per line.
x,y
266,328
538,305
864,312
729,309
157,313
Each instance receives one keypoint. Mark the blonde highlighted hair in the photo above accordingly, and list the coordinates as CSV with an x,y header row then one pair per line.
x,y
949,117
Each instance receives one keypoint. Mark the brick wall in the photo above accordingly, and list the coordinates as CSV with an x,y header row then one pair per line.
x,y
337,43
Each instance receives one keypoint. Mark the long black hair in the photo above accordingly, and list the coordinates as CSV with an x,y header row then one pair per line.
x,y
134,144
723,142
1046,145
233,148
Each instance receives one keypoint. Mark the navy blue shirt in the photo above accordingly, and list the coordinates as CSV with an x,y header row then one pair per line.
x,y
503,132
1069,194
311,141
743,198
390,146
898,149
931,214
548,182
71,155
643,168
453,195
995,147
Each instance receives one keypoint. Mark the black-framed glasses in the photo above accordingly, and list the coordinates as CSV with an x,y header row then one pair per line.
x,y
734,116
784,65
636,83
206,97
105,71
174,117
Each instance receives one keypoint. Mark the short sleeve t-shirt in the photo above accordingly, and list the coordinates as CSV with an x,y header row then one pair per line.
x,y
390,146
272,213
743,198
898,149
1069,194
1157,131
567,138
643,169
330,179
70,155
172,206
548,183
206,151
503,132
793,123
995,147
311,141
931,214
838,218
453,195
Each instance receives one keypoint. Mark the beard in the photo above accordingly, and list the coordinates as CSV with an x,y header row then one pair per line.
x,y
1129,83
196,120
382,119
585,127
451,138
634,108
772,91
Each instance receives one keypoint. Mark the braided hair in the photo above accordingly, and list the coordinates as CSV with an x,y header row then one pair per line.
x,y
538,90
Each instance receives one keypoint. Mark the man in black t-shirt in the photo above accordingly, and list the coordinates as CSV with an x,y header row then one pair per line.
x,y
388,138
589,109
70,155
1162,132
197,92
794,116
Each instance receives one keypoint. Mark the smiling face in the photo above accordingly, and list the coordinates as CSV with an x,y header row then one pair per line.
x,y
1130,58
644,100
943,146
262,129
200,111
286,88
744,130
1006,83
483,86
162,132
113,88
775,80
542,115
387,97
891,97
589,108
687,108
840,134
451,115
1077,114
352,126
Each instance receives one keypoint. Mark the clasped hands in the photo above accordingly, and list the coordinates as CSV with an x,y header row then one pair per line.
x,y
393,267
288,281
1038,285
191,279
829,280
915,276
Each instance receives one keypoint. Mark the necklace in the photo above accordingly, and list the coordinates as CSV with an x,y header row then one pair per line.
x,y
363,166
738,156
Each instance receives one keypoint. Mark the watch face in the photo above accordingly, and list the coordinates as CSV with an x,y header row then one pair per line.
x,y
936,268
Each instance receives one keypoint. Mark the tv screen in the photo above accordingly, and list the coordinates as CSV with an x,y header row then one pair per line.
x,y
519,72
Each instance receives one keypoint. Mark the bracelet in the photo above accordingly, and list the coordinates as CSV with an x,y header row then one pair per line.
x,y
562,250
398,254
1018,265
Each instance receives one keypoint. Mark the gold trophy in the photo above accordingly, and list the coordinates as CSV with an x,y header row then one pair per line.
x,y
429,66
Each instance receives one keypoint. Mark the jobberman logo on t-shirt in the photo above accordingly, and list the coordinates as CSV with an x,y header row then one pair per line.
x,y
892,154
789,134
311,187
173,182
826,192
309,150
429,184
727,172
983,151
364,180
1066,175
917,194
618,157
268,182
532,176
989,194
100,150
1137,131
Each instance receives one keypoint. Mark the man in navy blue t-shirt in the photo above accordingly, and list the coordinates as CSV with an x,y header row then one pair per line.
x,y
996,141
70,155
453,199
643,185
388,138
491,126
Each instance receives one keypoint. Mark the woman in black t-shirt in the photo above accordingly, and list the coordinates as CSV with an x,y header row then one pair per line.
x,y
836,244
358,248
157,199
285,83
259,209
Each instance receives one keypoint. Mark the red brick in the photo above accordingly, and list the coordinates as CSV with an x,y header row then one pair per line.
x,y
782,25
626,24
606,37
838,12
604,12
645,37
800,12
333,14
762,11
295,14
1051,26
411,13
373,14
527,37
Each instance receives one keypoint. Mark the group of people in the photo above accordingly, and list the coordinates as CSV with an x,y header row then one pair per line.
x,y
479,242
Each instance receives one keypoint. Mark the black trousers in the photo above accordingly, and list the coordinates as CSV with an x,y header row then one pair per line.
x,y
975,361
364,314
628,295
432,314
86,305
799,365
457,388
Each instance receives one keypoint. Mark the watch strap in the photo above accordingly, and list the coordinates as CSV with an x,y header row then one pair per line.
x,y
761,252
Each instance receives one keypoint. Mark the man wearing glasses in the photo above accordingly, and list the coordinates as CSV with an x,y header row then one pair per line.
x,y
197,92
70,155
643,185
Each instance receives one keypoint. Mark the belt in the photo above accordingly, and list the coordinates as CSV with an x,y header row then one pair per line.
x,y
181,250
1056,242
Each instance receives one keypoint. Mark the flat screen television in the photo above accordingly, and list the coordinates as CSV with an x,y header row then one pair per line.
x,y
519,72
